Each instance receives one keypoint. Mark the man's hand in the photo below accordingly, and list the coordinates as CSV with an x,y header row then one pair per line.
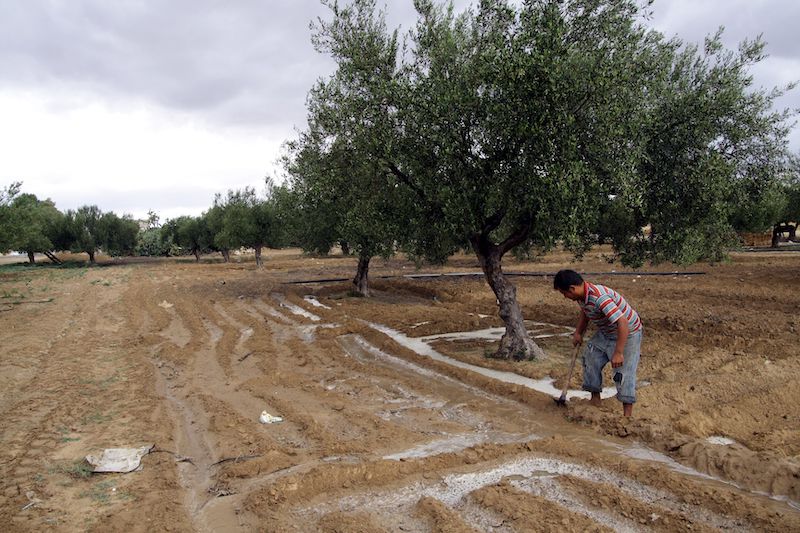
x,y
577,339
617,359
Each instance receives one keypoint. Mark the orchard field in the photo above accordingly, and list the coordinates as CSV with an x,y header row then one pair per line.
x,y
376,434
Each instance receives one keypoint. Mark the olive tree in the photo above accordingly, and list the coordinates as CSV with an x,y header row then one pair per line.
x,y
510,126
344,198
190,233
33,225
247,220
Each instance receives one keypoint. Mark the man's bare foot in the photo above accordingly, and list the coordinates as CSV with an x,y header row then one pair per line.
x,y
627,409
595,401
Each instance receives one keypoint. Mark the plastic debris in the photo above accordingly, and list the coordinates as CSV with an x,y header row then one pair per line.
x,y
267,418
121,460
165,304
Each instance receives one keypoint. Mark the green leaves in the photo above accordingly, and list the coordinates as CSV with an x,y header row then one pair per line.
x,y
512,125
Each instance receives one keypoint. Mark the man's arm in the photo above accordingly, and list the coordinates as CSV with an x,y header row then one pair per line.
x,y
622,337
580,329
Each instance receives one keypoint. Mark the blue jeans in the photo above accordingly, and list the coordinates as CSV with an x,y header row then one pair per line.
x,y
598,353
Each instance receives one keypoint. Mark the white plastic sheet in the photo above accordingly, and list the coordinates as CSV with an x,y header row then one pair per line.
x,y
119,459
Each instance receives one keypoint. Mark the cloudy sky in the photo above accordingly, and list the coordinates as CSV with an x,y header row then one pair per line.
x,y
143,104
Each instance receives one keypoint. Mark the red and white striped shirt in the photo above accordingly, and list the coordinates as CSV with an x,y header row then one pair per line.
x,y
605,306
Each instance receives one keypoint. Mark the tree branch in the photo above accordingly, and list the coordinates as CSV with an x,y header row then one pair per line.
x,y
493,222
405,179
517,237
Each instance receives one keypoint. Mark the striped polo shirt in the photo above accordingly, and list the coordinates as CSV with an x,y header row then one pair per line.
x,y
604,306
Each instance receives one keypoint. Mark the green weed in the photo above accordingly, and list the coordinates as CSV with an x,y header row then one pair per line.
x,y
95,418
75,469
100,492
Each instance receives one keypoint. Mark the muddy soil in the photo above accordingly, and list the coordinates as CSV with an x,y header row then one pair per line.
x,y
394,418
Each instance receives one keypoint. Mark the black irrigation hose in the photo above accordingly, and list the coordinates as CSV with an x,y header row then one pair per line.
x,y
518,274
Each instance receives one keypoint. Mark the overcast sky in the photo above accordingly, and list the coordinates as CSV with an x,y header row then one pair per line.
x,y
143,104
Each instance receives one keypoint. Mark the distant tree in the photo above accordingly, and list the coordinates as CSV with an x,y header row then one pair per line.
x,y
761,210
7,195
286,202
777,208
342,198
315,216
152,220
246,221
118,234
213,220
192,234
154,242
85,230
34,224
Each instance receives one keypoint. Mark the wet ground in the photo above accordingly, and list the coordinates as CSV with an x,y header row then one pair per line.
x,y
393,417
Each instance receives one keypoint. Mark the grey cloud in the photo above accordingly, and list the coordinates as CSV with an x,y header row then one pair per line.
x,y
693,20
251,62
198,56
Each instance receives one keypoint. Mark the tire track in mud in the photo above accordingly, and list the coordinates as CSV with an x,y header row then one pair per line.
x,y
88,392
202,385
210,410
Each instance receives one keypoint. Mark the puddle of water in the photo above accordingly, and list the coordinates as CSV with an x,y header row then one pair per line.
x,y
457,443
545,486
271,312
313,301
638,451
494,334
720,441
533,474
633,450
402,363
296,309
643,453
545,385
300,311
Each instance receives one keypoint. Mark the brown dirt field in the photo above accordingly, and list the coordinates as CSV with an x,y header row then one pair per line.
x,y
378,436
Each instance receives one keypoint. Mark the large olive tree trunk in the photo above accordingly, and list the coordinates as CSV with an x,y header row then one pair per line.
x,y
91,257
226,255
258,254
515,343
31,258
361,281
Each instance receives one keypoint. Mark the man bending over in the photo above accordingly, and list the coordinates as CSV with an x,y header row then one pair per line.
x,y
618,338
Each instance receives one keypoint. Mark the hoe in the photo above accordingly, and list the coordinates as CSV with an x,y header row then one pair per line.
x,y
562,400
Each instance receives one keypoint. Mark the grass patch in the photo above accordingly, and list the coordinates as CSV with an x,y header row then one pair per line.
x,y
100,492
96,418
17,267
102,384
74,469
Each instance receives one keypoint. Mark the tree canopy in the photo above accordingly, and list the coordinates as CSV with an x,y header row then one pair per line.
x,y
510,127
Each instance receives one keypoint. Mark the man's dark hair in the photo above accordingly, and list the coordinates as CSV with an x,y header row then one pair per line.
x,y
565,279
